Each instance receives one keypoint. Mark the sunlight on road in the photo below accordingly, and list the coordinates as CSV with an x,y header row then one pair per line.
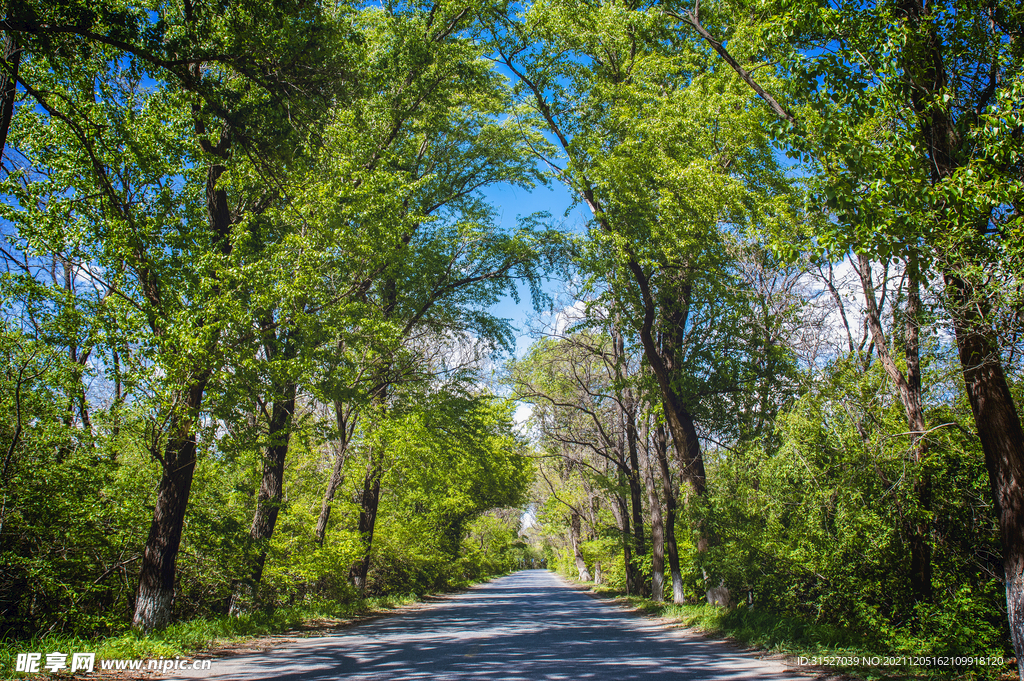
x,y
529,625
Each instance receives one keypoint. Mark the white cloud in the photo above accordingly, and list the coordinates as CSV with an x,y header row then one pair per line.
x,y
522,413
568,316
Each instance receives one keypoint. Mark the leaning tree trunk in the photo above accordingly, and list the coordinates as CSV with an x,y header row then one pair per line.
x,y
369,499
673,309
8,85
156,578
159,557
995,414
337,471
909,386
662,364
1002,441
620,509
369,502
333,483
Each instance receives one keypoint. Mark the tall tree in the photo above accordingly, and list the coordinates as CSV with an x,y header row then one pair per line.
x,y
938,180
231,106
661,174
585,406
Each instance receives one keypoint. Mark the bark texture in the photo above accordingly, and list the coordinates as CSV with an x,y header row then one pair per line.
x,y
995,415
635,499
673,307
9,84
155,596
268,501
337,471
631,461
369,502
657,541
1002,440
269,497
661,447
909,386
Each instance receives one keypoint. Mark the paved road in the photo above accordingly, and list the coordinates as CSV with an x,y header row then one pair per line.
x,y
527,626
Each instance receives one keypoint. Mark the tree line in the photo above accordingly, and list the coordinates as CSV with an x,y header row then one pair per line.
x,y
248,262
247,272
792,366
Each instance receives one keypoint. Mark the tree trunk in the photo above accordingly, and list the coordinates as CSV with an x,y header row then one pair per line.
x,y
333,483
657,541
115,407
1002,441
661,447
156,578
367,520
663,358
574,536
909,387
627,414
620,509
636,498
9,85
920,546
268,500
995,415
662,363
159,557
337,472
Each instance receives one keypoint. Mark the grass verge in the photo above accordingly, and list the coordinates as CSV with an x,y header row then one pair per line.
x,y
844,653
188,637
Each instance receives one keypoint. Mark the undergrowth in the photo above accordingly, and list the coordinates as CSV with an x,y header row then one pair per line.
x,y
186,637
801,638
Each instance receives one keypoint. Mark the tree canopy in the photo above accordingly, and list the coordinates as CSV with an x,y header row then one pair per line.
x,y
251,354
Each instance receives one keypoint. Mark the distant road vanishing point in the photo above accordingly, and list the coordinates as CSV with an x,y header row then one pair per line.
x,y
526,626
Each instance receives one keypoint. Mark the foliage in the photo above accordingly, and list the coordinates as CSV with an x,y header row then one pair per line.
x,y
204,211
454,460
185,638
255,235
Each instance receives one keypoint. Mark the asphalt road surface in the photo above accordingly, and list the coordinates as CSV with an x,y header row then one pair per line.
x,y
526,626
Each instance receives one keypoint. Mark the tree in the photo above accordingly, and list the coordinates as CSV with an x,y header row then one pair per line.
x,y
416,185
223,119
662,170
585,404
947,192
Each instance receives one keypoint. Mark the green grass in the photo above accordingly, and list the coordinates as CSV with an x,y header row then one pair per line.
x,y
187,637
797,637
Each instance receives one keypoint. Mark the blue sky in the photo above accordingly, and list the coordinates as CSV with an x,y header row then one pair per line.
x,y
511,203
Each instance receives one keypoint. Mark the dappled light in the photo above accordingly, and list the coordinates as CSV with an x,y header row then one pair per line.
x,y
527,626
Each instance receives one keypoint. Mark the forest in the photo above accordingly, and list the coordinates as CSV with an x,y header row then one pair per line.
x,y
252,349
